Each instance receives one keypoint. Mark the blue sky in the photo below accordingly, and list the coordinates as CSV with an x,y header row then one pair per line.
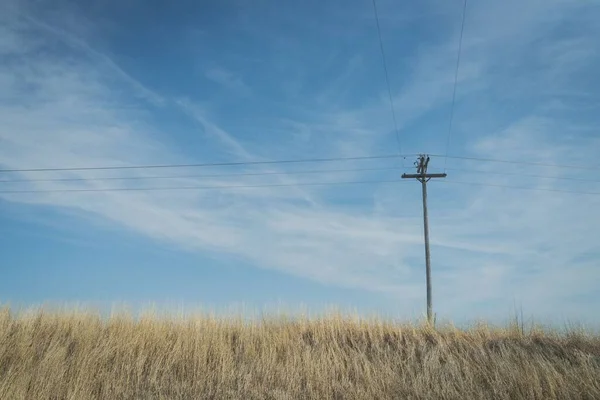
x,y
134,83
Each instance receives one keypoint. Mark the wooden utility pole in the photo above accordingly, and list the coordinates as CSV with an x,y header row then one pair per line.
x,y
423,177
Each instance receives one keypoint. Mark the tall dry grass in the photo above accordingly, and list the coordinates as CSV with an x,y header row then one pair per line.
x,y
79,355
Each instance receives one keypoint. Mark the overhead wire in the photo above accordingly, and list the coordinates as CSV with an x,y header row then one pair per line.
x,y
224,187
234,175
462,29
214,164
292,161
387,81
566,178
333,183
518,187
532,163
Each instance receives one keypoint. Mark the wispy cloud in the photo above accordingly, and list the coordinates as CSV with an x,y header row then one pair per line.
x,y
102,60
228,80
257,224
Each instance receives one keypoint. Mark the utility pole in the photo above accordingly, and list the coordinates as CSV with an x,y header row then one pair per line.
x,y
423,177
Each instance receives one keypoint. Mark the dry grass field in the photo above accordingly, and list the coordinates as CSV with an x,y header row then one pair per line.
x,y
80,355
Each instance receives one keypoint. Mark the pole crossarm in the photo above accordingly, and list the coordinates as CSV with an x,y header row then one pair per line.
x,y
423,176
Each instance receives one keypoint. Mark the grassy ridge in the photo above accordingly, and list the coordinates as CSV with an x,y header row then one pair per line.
x,y
81,356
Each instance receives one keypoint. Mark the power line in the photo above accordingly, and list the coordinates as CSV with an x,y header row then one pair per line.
x,y
518,162
218,164
387,80
200,176
313,160
521,187
200,187
462,29
525,175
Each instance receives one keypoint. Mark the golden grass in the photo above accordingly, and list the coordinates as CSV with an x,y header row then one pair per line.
x,y
79,356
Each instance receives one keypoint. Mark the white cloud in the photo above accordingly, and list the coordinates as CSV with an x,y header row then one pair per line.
x,y
264,226
228,80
